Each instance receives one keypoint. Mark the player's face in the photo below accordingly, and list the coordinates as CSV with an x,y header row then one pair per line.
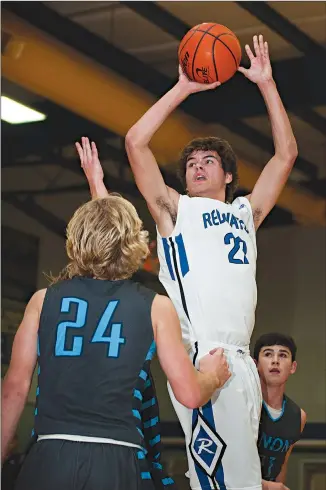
x,y
205,176
275,365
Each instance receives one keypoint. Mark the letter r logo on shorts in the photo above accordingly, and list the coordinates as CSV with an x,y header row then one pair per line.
x,y
206,446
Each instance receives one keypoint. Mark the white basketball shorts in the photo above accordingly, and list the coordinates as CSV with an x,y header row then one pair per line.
x,y
221,437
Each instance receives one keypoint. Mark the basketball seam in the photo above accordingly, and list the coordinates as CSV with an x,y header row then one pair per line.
x,y
193,32
213,52
216,37
235,61
193,60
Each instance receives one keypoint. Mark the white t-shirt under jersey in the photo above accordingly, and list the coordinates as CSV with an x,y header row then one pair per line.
x,y
208,268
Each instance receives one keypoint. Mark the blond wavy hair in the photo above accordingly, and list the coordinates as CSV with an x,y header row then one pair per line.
x,y
105,240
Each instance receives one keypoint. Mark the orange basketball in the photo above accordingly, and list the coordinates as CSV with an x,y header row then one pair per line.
x,y
209,53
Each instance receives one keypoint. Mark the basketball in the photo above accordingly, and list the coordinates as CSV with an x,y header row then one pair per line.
x,y
209,53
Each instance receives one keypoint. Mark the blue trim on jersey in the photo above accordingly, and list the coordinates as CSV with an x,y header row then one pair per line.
x,y
208,414
147,384
182,255
155,440
136,414
157,466
201,475
143,375
140,455
167,481
145,475
149,403
151,352
270,415
140,432
38,370
138,395
157,455
35,411
38,345
37,391
151,422
166,247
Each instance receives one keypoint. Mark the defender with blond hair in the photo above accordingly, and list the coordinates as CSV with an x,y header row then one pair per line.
x,y
93,333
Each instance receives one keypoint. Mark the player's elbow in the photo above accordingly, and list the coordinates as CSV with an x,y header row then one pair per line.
x,y
189,397
15,388
133,140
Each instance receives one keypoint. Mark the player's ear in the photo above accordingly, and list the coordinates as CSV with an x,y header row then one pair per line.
x,y
294,367
228,178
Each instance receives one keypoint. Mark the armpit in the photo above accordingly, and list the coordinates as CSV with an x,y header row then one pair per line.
x,y
257,214
168,208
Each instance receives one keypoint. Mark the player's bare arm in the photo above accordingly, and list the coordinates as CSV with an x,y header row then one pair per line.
x,y
275,174
162,201
90,163
17,382
191,388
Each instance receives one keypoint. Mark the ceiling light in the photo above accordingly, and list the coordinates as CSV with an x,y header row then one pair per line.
x,y
16,113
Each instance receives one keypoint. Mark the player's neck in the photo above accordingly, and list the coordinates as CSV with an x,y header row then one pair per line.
x,y
211,194
273,395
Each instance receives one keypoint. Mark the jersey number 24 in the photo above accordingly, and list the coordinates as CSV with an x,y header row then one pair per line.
x,y
114,340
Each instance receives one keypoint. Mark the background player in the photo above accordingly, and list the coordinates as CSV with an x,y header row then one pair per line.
x,y
92,333
207,252
282,421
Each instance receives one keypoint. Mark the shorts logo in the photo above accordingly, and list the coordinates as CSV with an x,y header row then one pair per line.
x,y
206,446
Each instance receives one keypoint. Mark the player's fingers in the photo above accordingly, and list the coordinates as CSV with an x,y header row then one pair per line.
x,y
84,150
213,351
266,51
80,152
261,45
94,150
242,70
256,46
249,52
88,150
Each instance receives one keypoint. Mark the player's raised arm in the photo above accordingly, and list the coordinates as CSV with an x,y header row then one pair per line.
x,y
191,388
161,200
275,174
92,167
17,382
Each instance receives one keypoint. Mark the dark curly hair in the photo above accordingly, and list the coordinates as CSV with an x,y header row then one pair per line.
x,y
223,149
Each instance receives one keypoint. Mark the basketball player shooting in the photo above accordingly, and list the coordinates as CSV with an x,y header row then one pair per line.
x,y
207,251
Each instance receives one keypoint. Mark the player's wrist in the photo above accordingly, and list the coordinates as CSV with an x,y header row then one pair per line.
x,y
266,84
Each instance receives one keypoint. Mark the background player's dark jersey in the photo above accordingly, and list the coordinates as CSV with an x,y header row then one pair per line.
x,y
95,347
276,436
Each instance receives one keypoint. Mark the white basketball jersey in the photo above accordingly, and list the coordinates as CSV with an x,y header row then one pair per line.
x,y
208,268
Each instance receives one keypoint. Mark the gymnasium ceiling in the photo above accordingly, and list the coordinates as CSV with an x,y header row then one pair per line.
x,y
94,67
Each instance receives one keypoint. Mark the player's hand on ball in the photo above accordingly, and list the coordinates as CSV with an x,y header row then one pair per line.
x,y
192,87
260,70
89,160
216,362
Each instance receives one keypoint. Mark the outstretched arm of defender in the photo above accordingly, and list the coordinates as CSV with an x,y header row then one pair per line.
x,y
191,387
17,382
161,199
275,174
92,168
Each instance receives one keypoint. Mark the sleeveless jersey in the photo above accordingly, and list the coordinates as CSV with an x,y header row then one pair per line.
x,y
208,268
276,436
95,346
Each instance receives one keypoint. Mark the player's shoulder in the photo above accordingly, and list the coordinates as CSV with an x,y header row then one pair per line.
x,y
38,296
162,305
303,419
